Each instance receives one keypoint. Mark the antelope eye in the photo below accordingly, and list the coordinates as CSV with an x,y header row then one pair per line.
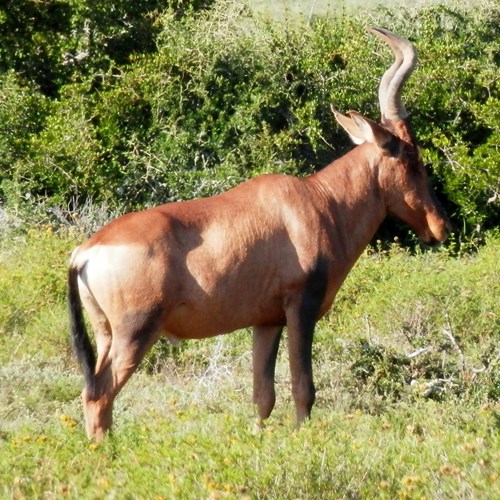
x,y
414,157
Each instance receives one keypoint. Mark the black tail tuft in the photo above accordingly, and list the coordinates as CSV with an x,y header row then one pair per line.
x,y
79,336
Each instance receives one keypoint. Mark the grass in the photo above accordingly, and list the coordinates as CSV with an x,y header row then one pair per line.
x,y
197,454
386,424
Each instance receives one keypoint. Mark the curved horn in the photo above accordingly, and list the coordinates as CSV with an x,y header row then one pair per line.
x,y
394,78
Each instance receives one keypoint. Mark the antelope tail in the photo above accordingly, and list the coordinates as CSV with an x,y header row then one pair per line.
x,y
79,336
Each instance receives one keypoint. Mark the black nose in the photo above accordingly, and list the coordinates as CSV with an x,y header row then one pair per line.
x,y
432,243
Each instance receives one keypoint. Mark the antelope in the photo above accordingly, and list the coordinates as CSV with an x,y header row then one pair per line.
x,y
269,253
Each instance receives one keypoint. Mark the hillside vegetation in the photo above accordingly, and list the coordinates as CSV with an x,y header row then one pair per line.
x,y
133,104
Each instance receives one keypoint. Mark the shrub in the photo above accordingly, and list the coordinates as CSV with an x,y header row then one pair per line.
x,y
22,116
225,95
420,327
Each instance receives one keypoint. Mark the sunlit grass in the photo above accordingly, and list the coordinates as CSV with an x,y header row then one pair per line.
x,y
191,451
184,424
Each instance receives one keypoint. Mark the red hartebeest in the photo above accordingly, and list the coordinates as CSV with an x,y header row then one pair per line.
x,y
271,252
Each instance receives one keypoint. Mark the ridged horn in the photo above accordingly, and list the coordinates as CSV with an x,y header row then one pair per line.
x,y
393,80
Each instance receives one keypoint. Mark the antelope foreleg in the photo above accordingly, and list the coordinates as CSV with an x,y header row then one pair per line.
x,y
300,336
301,315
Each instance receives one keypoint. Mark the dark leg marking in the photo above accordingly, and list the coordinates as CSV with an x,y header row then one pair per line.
x,y
302,315
266,341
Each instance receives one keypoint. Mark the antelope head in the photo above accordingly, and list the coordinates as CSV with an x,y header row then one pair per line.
x,y
402,177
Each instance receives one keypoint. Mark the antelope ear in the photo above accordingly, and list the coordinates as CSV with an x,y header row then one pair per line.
x,y
371,131
350,126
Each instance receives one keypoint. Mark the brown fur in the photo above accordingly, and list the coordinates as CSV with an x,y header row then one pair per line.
x,y
271,252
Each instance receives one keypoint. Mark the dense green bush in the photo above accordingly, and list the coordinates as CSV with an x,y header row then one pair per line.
x,y
458,113
55,42
166,106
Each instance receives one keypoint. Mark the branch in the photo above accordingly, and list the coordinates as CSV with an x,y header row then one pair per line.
x,y
420,351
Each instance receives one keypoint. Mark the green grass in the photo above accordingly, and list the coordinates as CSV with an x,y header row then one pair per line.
x,y
385,425
192,453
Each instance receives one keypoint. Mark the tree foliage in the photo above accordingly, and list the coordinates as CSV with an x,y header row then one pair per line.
x,y
138,103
